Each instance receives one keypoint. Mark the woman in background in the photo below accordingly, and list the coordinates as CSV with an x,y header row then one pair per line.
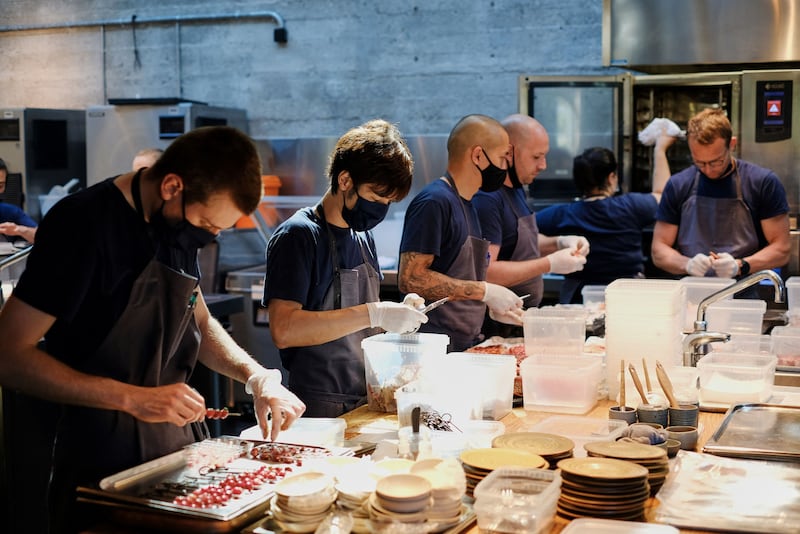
x,y
612,223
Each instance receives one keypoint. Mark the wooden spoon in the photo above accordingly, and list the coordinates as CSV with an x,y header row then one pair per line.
x,y
646,376
666,385
637,383
622,403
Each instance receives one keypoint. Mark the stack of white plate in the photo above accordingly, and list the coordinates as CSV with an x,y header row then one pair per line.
x,y
302,501
448,485
405,498
354,494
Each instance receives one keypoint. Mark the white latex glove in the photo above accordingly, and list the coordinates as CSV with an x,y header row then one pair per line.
x,y
270,397
698,265
500,299
510,317
725,265
415,301
566,261
395,317
576,243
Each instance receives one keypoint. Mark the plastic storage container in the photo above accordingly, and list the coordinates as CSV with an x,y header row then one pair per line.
x,y
551,331
594,298
393,360
319,431
736,316
793,300
517,500
785,345
485,379
563,385
644,319
728,378
697,288
581,430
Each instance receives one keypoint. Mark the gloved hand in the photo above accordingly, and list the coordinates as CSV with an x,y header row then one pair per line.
x,y
415,301
576,243
698,265
725,265
566,261
395,317
510,317
270,397
500,299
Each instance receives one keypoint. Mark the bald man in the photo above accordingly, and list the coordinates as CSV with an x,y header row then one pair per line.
x,y
519,254
442,251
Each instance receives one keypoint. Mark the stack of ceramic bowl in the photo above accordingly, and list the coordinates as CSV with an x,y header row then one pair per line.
x,y
551,447
477,463
448,485
302,501
649,456
602,487
354,494
403,498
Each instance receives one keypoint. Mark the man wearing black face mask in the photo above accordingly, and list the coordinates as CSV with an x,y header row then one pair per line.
x,y
124,321
520,255
442,253
323,277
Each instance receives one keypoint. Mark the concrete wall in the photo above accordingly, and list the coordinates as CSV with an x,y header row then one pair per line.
x,y
422,64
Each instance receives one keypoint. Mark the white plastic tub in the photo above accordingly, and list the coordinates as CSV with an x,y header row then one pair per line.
x,y
564,385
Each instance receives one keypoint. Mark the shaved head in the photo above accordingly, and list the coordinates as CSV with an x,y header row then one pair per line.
x,y
474,130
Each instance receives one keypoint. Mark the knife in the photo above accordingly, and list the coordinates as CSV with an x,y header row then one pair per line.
x,y
433,305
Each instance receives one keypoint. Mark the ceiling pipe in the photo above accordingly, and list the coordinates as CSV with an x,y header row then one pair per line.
x,y
280,35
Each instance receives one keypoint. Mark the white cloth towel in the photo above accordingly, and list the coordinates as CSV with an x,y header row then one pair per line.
x,y
658,127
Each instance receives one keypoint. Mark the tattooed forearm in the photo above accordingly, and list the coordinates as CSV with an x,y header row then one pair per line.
x,y
415,276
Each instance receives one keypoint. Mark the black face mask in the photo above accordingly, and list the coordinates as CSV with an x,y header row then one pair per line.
x,y
183,234
512,175
365,215
492,177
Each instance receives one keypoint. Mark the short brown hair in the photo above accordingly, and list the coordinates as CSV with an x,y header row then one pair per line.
x,y
708,125
214,159
373,153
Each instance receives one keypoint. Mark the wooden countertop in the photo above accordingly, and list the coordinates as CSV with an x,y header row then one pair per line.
x,y
362,423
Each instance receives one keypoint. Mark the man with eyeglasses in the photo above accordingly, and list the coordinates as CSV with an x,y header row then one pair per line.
x,y
722,216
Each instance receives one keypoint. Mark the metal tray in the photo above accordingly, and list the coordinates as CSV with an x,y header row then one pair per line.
x,y
758,431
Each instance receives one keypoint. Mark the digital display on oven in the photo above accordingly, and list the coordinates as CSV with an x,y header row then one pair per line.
x,y
773,110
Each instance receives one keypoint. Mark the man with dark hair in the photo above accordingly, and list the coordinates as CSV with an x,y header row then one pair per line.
x,y
13,220
322,278
123,318
442,252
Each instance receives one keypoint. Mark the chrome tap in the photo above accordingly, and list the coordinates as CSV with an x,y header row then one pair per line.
x,y
695,345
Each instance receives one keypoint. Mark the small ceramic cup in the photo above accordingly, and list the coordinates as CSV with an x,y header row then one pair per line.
x,y
683,415
652,413
623,413
686,435
673,446
657,426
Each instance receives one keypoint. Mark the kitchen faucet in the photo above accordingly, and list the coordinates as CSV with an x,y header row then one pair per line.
x,y
695,345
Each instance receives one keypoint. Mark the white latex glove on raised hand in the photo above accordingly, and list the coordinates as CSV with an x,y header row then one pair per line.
x,y
395,317
270,397
414,300
500,299
513,316
725,265
576,243
566,261
698,265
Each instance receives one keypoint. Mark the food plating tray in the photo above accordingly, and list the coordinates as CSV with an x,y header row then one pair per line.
x,y
758,431
161,487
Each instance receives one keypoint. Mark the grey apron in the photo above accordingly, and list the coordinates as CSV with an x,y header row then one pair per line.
x,y
155,342
330,378
462,319
527,248
716,224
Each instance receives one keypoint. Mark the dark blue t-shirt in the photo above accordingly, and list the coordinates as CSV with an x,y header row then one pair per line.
x,y
14,214
434,224
299,262
498,217
762,191
613,227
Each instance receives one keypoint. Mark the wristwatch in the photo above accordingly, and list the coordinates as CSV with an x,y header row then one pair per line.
x,y
744,270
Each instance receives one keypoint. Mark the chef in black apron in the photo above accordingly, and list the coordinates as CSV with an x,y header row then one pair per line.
x,y
124,321
322,279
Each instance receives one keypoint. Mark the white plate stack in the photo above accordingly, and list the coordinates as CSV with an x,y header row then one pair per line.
x,y
448,485
303,501
405,498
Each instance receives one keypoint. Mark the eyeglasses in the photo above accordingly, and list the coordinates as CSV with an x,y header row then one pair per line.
x,y
713,164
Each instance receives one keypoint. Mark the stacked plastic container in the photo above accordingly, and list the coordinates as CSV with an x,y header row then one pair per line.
x,y
697,288
644,320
